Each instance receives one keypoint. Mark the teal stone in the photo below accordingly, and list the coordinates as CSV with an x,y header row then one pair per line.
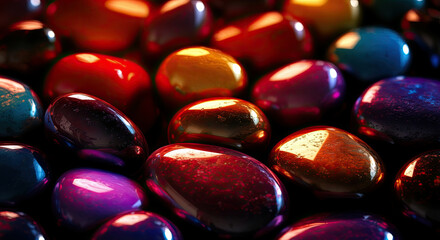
x,y
371,53
20,109
392,10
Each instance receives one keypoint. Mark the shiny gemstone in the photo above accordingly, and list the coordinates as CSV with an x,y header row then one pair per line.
x,y
326,19
330,161
265,40
179,23
418,187
401,110
96,132
20,109
122,83
392,10
370,53
218,189
84,198
23,173
300,92
17,225
136,226
228,9
13,11
196,73
353,226
104,25
228,122
27,46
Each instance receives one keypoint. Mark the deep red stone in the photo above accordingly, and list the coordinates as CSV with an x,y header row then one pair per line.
x,y
216,188
228,122
177,24
12,11
300,92
265,40
98,25
120,82
418,187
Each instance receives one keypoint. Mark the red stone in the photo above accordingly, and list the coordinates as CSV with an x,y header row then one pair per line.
x,y
177,24
117,81
12,11
218,189
265,40
228,122
330,161
300,92
98,25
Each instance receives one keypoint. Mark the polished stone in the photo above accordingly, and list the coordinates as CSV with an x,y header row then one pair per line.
x,y
392,10
98,133
329,161
401,110
23,173
19,226
138,225
85,198
300,92
13,11
218,189
228,122
370,53
196,73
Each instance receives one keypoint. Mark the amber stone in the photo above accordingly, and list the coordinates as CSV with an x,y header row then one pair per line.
x,y
227,122
418,187
177,24
102,25
330,161
265,40
196,73
326,19
218,189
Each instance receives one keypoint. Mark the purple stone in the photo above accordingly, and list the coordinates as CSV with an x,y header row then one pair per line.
x,y
138,225
19,226
354,226
218,189
401,110
84,198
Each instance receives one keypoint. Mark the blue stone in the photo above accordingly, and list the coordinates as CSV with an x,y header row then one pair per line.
x,y
17,225
20,109
23,173
138,225
371,53
400,110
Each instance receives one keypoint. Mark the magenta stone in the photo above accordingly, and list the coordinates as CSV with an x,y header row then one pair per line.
x,y
84,198
299,92
218,189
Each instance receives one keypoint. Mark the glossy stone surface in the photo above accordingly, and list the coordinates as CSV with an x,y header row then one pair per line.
x,y
330,161
299,92
122,83
23,173
84,198
17,225
417,187
196,73
401,110
27,46
326,19
12,11
229,9
370,53
162,34
218,189
96,132
20,109
100,25
138,225
353,226
392,10
271,39
228,122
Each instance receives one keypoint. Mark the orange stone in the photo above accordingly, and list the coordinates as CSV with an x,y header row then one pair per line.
x,y
330,161
195,73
